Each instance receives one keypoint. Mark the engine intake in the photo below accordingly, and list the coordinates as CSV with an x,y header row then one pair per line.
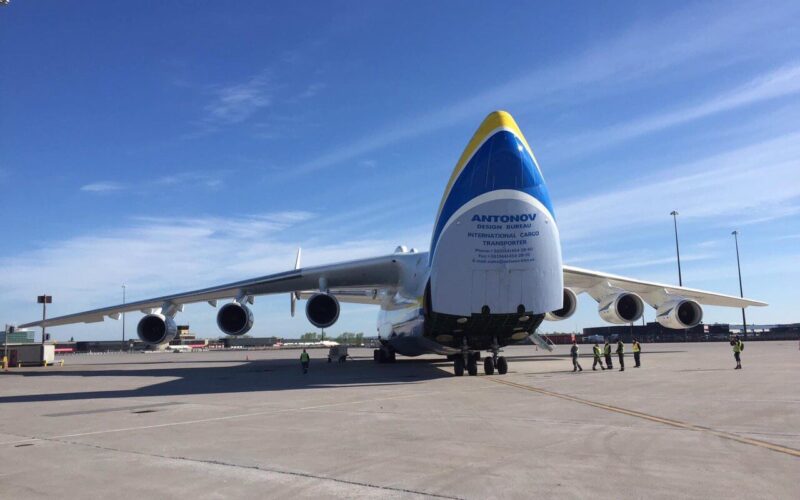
x,y
322,310
679,314
235,319
621,308
156,329
567,310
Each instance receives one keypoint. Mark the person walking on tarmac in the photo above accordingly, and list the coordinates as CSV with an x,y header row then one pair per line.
x,y
305,359
597,359
607,353
574,351
620,353
738,347
637,349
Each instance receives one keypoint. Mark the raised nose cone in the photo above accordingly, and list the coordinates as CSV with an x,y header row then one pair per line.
x,y
495,243
496,158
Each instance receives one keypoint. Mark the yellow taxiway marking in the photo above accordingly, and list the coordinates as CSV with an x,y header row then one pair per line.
x,y
653,418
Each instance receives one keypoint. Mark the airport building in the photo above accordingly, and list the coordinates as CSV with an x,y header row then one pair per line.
x,y
655,332
18,336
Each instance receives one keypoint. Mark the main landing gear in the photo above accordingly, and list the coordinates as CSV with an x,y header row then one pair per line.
x,y
492,363
381,356
469,360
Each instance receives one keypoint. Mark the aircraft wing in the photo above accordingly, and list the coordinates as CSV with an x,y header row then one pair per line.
x,y
596,283
373,273
350,295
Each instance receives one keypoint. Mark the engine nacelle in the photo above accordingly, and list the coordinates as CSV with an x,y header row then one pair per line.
x,y
567,310
322,310
679,314
156,329
235,319
621,308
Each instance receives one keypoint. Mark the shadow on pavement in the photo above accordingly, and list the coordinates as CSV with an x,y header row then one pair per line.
x,y
233,377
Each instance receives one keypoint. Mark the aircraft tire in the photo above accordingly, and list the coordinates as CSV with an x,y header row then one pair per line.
x,y
502,365
472,366
376,356
488,365
458,366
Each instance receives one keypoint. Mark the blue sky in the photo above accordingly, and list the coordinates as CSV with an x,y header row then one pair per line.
x,y
174,145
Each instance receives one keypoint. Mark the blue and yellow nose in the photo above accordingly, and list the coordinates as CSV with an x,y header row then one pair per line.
x,y
495,244
497,157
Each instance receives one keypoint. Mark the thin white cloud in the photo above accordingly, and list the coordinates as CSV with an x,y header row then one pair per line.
x,y
236,103
102,187
637,53
205,179
655,262
782,82
209,180
760,179
312,90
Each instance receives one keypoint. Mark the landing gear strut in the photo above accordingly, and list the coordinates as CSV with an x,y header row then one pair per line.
x,y
495,361
466,359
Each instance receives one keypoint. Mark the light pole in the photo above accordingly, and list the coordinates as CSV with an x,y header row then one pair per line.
x,y
674,215
122,347
741,291
44,300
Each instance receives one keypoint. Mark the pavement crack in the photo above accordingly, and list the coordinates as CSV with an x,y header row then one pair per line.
x,y
221,463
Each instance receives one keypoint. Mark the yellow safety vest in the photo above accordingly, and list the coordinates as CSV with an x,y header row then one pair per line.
x,y
597,351
304,356
636,347
737,346
607,349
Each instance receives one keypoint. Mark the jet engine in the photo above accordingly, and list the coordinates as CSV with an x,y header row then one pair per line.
x,y
567,310
621,308
156,329
679,313
322,310
235,319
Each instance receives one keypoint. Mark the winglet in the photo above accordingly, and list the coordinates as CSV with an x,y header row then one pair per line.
x,y
297,259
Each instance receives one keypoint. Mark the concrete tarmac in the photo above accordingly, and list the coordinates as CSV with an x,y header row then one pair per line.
x,y
220,425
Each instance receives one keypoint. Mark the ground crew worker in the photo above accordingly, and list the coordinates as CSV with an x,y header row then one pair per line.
x,y
574,351
620,352
738,347
607,353
305,359
637,349
597,358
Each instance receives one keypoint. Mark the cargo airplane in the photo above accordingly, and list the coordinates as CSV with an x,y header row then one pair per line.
x,y
492,274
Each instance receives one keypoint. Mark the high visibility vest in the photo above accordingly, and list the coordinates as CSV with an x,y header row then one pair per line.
x,y
636,347
304,356
607,348
620,348
597,351
737,346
